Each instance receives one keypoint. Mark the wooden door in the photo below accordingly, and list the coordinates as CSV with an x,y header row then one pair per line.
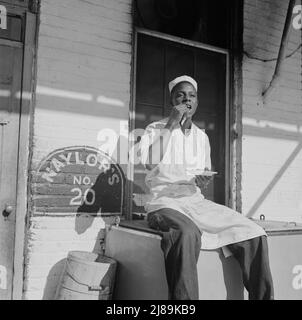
x,y
11,57
160,60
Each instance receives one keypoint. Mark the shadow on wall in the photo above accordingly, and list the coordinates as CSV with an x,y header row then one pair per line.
x,y
53,280
110,199
65,100
107,199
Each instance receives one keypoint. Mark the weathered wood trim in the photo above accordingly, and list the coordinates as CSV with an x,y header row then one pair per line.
x,y
24,153
14,9
16,3
10,43
34,6
187,42
236,101
227,132
130,169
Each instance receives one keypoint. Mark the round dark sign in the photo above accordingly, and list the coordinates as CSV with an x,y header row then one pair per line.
x,y
78,179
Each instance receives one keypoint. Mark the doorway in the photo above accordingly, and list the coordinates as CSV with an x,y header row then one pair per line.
x,y
159,59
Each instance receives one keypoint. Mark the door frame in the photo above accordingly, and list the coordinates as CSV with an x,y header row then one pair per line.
x,y
228,160
28,76
236,102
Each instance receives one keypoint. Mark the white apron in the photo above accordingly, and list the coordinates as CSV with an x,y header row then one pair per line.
x,y
172,187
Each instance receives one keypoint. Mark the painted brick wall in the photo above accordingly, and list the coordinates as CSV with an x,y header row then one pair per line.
x,y
272,133
49,241
83,86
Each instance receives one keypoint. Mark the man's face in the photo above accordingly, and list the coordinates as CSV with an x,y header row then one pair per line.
x,y
185,93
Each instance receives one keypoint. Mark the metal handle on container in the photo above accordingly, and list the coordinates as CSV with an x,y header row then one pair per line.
x,y
262,217
98,288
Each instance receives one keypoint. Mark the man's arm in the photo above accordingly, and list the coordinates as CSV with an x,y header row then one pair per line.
x,y
208,163
203,181
156,150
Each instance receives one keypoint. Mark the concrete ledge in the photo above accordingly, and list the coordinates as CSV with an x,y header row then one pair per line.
x,y
271,227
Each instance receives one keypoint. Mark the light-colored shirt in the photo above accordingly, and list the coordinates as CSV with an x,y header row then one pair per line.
x,y
171,186
183,153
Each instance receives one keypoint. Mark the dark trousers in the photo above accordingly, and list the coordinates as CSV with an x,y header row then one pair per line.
x,y
181,244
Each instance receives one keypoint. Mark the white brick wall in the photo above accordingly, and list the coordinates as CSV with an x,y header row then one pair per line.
x,y
272,144
84,53
83,86
49,241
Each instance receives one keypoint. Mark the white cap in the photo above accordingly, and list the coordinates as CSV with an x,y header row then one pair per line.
x,y
177,80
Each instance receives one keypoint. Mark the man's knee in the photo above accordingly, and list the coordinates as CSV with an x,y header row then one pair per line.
x,y
157,222
189,230
258,242
171,220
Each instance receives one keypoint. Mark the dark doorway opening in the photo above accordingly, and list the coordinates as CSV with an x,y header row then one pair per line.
x,y
158,61
205,21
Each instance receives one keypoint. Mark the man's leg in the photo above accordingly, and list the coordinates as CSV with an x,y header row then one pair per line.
x,y
252,256
181,244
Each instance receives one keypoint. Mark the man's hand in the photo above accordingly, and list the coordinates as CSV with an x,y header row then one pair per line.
x,y
203,181
177,114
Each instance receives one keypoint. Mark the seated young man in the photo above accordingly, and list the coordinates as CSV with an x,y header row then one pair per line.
x,y
171,149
